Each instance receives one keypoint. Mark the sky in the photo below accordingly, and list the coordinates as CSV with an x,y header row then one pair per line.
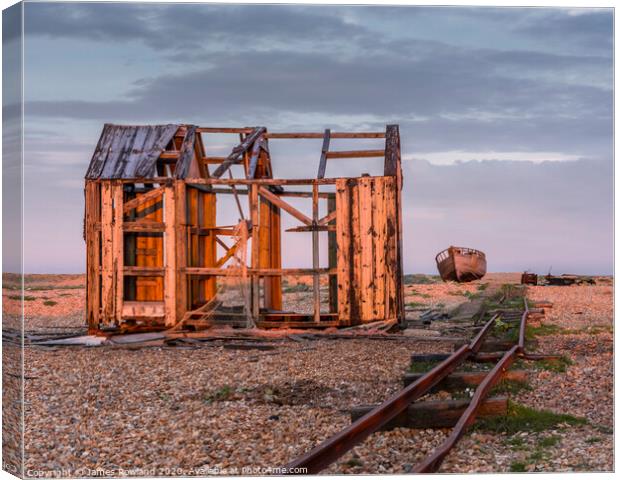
x,y
505,114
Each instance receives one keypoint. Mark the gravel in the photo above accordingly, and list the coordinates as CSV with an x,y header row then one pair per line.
x,y
196,411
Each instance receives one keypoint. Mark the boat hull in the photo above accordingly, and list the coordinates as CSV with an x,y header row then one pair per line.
x,y
461,264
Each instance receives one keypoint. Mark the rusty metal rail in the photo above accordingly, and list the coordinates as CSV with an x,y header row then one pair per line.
x,y
432,462
334,447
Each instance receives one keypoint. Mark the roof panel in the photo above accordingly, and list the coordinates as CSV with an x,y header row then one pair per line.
x,y
129,151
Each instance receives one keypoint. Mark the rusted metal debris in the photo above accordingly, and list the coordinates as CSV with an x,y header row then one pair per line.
x,y
566,280
461,264
528,278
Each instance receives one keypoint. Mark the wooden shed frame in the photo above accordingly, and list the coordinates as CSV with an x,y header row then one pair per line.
x,y
151,231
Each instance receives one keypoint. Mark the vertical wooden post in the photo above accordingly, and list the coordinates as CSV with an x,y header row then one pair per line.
x,y
107,260
181,248
366,236
118,252
332,253
315,253
276,256
344,250
255,251
170,269
393,168
93,259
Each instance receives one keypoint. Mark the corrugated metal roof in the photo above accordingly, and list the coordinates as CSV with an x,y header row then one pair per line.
x,y
132,151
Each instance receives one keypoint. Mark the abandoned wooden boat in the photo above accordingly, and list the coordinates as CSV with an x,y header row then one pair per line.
x,y
461,264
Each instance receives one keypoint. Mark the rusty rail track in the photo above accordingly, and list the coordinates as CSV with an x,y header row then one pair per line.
x,y
336,446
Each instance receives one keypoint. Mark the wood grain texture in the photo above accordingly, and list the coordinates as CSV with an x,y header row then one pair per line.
x,y
170,268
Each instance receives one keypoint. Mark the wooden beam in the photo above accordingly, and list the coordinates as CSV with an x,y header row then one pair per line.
x,y
315,254
254,216
462,380
144,226
436,413
283,205
195,182
238,151
107,255
143,271
213,160
263,272
229,253
170,267
254,158
309,135
181,247
284,193
142,199
356,154
332,257
331,216
213,231
224,130
118,251
93,256
392,167
313,228
324,152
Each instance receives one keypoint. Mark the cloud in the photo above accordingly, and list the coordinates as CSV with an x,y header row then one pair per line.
x,y
458,156
591,28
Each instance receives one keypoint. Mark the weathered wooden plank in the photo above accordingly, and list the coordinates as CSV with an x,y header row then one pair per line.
x,y
391,247
332,257
312,228
264,239
330,217
392,151
356,257
144,226
117,248
315,255
283,205
143,198
143,271
355,154
209,242
276,258
181,248
93,260
193,221
392,167
343,250
170,268
254,215
365,234
107,255
268,272
300,135
379,239
253,162
224,130
462,380
436,413
324,152
238,151
227,255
